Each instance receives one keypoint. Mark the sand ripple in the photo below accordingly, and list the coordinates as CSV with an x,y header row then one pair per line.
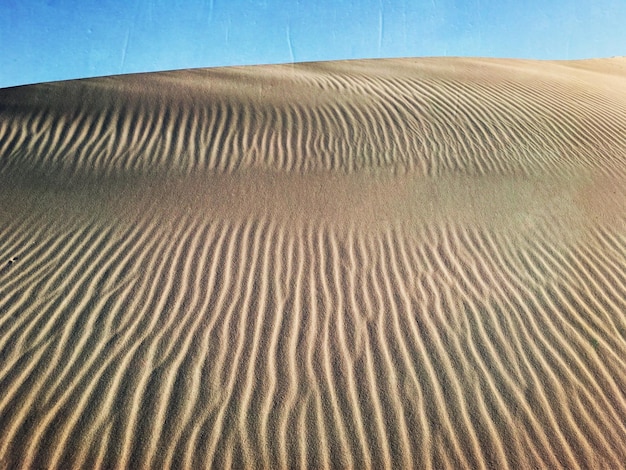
x,y
378,264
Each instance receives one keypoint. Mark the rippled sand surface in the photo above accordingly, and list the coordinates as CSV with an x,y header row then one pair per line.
x,y
363,264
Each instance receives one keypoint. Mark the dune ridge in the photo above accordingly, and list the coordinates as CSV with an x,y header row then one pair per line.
x,y
426,116
363,264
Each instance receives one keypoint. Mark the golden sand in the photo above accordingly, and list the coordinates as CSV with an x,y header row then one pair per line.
x,y
410,263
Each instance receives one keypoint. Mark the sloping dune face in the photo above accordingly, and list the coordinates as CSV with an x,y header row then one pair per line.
x,y
364,264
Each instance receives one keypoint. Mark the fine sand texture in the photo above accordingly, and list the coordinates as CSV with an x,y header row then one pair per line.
x,y
408,263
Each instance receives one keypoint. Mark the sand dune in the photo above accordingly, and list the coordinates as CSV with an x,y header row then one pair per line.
x,y
414,263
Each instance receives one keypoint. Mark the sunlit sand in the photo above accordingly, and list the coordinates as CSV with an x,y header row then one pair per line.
x,y
412,263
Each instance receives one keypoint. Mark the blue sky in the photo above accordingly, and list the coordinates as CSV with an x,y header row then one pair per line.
x,y
45,40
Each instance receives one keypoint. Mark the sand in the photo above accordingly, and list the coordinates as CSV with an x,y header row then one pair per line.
x,y
410,263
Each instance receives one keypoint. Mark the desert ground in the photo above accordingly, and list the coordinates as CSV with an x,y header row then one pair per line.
x,y
390,263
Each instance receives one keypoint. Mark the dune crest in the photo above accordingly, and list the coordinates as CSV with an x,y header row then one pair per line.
x,y
362,264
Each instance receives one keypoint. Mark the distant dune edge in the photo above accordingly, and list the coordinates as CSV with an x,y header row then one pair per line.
x,y
394,263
